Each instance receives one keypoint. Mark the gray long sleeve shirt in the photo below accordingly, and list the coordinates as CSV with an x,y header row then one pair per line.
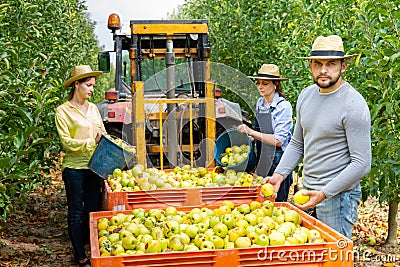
x,y
332,133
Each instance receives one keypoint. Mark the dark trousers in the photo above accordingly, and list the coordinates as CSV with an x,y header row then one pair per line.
x,y
283,192
82,187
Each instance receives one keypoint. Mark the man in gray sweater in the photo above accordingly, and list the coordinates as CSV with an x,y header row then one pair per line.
x,y
332,134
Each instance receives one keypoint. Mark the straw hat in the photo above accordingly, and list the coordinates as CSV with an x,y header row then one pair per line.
x,y
269,72
80,72
330,47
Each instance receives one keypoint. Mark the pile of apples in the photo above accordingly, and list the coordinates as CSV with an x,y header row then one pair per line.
x,y
140,178
234,155
119,142
163,230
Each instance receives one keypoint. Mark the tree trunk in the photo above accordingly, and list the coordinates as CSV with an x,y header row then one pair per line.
x,y
391,240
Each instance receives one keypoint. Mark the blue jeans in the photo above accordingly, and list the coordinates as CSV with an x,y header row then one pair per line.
x,y
340,212
82,187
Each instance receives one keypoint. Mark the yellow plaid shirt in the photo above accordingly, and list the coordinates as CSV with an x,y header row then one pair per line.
x,y
77,132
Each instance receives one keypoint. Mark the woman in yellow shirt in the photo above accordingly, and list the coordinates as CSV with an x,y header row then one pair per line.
x,y
80,128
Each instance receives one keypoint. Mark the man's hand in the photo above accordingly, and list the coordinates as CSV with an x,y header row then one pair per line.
x,y
276,179
316,196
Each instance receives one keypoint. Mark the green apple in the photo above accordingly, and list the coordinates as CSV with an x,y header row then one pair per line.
x,y
244,208
253,237
185,238
114,237
145,239
154,246
171,227
170,210
124,233
301,236
220,229
300,198
164,243
251,218
117,250
207,245
191,247
102,224
103,233
129,242
228,220
243,242
313,233
213,221
149,222
202,226
267,190
117,173
143,230
254,205
250,229
133,228
229,245
262,240
292,240
156,233
233,235
292,216
218,241
269,221
262,228
191,230
258,212
276,238
116,220
199,239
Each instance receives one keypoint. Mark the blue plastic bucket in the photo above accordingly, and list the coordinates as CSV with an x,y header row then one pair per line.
x,y
107,157
230,138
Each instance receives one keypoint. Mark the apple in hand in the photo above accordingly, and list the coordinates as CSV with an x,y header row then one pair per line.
x,y
299,198
267,190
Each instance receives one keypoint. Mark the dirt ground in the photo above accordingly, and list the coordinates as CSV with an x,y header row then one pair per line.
x,y
36,234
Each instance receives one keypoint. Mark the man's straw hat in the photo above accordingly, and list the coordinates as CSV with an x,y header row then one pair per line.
x,y
269,72
80,72
330,47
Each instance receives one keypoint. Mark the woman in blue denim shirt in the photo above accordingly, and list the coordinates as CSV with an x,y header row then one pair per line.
x,y
272,126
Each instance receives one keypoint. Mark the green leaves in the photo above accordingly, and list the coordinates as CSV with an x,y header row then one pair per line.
x,y
40,41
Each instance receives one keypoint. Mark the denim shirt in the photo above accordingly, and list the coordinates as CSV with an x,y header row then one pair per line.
x,y
282,123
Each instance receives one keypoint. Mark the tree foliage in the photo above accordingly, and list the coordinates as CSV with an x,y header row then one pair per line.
x,y
246,34
40,40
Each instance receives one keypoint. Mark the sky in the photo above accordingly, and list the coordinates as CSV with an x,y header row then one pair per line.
x,y
127,10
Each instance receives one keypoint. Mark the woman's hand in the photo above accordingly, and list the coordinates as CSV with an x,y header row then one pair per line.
x,y
244,129
98,137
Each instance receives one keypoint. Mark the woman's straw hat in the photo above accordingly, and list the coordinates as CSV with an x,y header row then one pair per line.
x,y
269,72
330,47
80,72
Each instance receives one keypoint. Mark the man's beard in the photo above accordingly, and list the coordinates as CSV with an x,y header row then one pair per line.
x,y
332,82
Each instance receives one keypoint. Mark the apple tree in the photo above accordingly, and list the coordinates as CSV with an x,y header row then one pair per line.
x,y
40,40
377,29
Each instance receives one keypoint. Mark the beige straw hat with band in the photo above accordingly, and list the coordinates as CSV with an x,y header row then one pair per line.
x,y
80,72
330,47
269,72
